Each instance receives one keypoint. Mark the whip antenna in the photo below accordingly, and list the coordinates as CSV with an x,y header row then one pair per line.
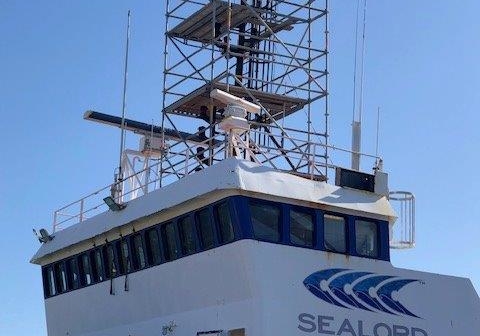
x,y
116,193
357,117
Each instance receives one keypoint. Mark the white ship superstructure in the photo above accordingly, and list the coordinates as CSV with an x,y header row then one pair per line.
x,y
241,225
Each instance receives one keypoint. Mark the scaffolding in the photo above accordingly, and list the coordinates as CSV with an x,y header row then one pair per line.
x,y
271,53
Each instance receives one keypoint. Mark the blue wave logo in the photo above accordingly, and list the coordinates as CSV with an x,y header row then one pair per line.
x,y
361,290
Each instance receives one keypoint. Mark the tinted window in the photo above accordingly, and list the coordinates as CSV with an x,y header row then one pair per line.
x,y
50,282
124,253
366,238
86,270
301,228
225,225
73,275
169,241
334,238
187,235
205,229
138,252
265,221
98,265
60,277
111,262
153,247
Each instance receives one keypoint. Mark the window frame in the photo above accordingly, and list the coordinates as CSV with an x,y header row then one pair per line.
x,y
149,248
61,265
180,233
135,258
124,262
163,235
288,225
211,223
216,218
107,269
49,275
71,285
281,212
83,274
378,241
346,225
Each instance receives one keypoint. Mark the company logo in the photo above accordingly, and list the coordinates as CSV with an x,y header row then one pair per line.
x,y
362,290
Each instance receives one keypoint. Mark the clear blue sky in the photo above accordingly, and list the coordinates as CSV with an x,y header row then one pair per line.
x,y
60,58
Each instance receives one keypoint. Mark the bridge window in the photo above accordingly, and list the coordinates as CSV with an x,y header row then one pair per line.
x,y
169,241
187,235
366,238
98,265
72,272
225,225
124,253
50,282
265,221
86,270
301,228
205,228
111,264
153,247
61,277
138,252
335,236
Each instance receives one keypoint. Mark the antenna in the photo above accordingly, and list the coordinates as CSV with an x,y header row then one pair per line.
x,y
357,119
378,130
116,191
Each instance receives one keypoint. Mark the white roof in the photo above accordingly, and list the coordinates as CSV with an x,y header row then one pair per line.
x,y
229,174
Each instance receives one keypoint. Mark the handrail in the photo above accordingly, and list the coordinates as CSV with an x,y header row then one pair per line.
x,y
305,158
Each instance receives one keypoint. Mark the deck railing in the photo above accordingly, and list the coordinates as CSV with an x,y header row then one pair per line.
x,y
261,144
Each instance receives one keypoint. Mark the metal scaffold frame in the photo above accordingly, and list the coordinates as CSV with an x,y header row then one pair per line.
x,y
261,51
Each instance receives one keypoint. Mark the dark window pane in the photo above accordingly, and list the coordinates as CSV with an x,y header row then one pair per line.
x,y
111,263
153,247
98,265
225,225
87,278
169,242
334,237
187,235
366,238
301,228
124,253
50,281
73,276
205,229
60,277
138,252
265,221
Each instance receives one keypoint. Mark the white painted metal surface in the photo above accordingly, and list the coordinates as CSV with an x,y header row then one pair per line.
x,y
231,174
260,287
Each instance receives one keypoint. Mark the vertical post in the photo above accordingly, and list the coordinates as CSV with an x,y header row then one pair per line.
x,y
187,157
55,215
326,89
309,121
212,74
82,204
229,24
165,64
147,174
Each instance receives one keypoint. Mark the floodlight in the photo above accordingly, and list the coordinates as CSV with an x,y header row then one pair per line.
x,y
112,205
